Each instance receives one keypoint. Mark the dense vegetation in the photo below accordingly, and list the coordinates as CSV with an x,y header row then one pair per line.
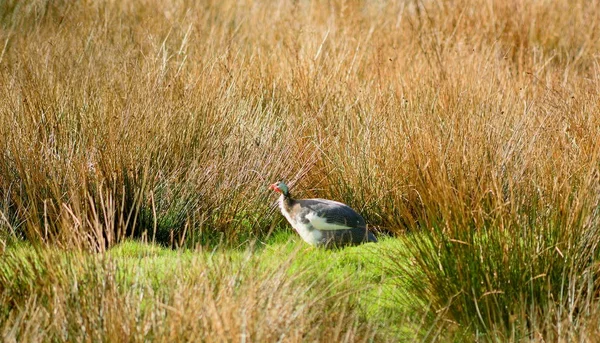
x,y
468,130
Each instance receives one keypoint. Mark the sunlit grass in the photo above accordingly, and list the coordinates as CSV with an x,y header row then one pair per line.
x,y
468,130
153,284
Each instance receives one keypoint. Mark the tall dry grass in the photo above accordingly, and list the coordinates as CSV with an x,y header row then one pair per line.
x,y
476,122
170,117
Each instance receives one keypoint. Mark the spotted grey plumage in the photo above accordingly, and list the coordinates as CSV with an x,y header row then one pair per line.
x,y
334,212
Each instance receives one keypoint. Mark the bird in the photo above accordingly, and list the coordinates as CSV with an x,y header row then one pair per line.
x,y
322,222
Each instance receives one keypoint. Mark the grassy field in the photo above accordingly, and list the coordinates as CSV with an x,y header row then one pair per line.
x,y
467,133
283,291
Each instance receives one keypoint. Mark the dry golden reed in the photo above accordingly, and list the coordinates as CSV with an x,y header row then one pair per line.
x,y
171,117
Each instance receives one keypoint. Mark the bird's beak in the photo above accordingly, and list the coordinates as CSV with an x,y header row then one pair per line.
x,y
274,188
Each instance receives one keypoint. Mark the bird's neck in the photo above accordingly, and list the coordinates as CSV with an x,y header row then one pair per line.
x,y
286,202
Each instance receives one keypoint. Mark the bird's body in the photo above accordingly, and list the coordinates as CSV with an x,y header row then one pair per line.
x,y
322,222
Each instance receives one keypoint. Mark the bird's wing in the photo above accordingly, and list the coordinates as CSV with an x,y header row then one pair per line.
x,y
329,215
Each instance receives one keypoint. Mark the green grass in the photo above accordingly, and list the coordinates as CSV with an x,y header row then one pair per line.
x,y
149,274
428,286
359,270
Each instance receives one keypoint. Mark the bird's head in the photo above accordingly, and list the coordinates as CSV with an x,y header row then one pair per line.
x,y
280,187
